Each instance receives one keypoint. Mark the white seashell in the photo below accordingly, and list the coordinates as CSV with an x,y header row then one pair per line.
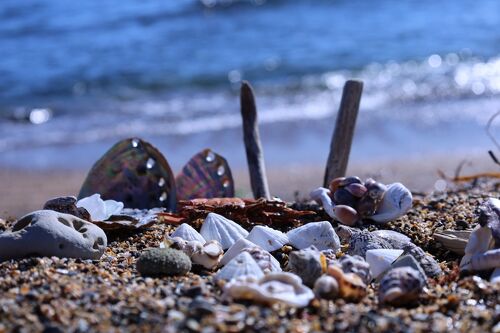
x,y
264,259
397,202
188,247
392,235
319,234
187,232
236,249
321,194
272,288
480,241
495,276
208,255
267,238
99,209
243,264
487,260
381,259
226,232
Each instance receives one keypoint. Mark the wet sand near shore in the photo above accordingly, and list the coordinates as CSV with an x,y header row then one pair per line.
x,y
23,191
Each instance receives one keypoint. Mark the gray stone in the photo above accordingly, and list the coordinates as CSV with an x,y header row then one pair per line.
x,y
406,261
49,233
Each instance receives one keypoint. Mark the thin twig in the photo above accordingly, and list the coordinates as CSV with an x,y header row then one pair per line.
x,y
488,129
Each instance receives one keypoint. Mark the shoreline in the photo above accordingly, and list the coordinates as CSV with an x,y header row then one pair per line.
x,y
26,190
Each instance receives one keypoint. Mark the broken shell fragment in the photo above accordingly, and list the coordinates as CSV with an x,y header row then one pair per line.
x,y
326,287
381,259
453,240
319,234
264,259
226,232
351,286
400,286
188,233
272,288
267,238
396,202
100,210
241,265
322,195
208,255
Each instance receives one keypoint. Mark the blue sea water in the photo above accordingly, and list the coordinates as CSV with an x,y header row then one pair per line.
x,y
96,71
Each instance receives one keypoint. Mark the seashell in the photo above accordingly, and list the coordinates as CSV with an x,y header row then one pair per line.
x,y
319,234
242,264
130,219
206,175
351,286
495,276
426,261
357,190
406,261
486,260
350,180
381,259
362,241
400,286
306,264
264,259
322,195
344,197
396,202
326,287
335,184
226,232
356,265
236,249
188,233
208,255
267,238
490,217
272,288
396,239
345,233
453,240
135,173
346,215
99,209
188,247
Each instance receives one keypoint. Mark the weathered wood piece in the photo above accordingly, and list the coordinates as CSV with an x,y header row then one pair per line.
x,y
340,146
253,147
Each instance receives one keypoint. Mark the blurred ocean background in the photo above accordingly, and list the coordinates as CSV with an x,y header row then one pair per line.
x,y
76,76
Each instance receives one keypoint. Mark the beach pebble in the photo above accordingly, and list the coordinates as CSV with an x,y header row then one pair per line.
x,y
49,233
160,262
67,205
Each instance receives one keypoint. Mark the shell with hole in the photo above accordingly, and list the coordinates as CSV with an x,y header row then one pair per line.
x,y
281,287
226,232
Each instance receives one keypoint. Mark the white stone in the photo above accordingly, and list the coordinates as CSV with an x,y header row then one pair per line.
x,y
267,238
397,201
319,234
49,233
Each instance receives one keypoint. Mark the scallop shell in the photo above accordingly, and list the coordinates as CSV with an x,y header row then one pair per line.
x,y
206,175
208,255
397,201
272,288
188,233
400,286
242,265
135,173
236,249
264,259
226,232
267,238
381,259
318,234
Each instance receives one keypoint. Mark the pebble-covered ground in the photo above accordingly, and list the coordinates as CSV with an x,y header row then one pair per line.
x,y
59,295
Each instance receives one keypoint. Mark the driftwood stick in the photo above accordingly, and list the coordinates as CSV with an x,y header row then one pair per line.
x,y
340,146
253,147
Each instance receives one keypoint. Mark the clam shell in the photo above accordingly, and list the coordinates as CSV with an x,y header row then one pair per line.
x,y
243,264
226,232
318,234
206,175
188,233
135,173
272,288
267,238
453,240
397,201
381,259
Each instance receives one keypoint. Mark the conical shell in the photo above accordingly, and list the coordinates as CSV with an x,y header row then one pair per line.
x,y
319,234
243,264
381,259
267,238
226,232
188,233
236,249
397,201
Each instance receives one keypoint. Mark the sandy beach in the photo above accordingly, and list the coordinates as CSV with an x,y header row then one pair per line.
x,y
23,191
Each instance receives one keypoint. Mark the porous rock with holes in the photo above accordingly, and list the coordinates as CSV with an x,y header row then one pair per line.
x,y
49,233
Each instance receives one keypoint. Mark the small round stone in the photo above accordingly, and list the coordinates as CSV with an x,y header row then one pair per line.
x,y
160,262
